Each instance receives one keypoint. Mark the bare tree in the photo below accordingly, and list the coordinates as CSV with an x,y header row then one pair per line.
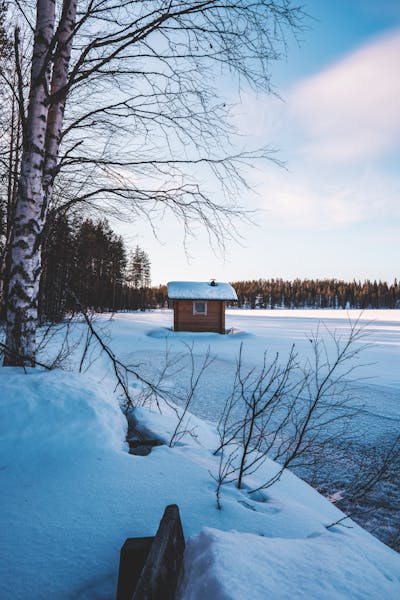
x,y
122,93
288,411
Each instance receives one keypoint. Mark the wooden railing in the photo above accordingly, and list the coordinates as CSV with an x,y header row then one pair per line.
x,y
149,567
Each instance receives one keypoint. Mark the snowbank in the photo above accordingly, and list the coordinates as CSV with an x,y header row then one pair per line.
x,y
56,411
221,565
59,516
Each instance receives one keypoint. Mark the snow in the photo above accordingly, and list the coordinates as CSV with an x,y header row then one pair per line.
x,y
221,565
200,290
71,492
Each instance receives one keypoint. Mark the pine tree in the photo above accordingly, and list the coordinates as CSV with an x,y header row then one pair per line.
x,y
139,269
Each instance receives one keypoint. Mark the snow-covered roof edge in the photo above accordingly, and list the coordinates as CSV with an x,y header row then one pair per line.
x,y
201,290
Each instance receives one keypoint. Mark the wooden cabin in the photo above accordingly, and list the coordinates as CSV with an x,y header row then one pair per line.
x,y
200,305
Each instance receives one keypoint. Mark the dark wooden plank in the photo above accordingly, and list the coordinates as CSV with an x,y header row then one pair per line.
x,y
222,317
132,559
160,573
176,315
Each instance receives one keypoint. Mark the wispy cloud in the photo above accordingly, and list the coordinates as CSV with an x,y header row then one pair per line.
x,y
305,201
336,131
350,111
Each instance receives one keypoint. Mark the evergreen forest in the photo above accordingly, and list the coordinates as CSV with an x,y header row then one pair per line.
x,y
307,293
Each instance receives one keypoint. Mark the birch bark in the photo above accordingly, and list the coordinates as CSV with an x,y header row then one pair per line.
x,y
29,213
64,37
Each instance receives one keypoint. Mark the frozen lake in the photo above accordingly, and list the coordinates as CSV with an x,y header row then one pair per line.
x,y
280,327
143,338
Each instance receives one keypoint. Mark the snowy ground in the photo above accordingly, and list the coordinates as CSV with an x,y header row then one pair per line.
x,y
71,493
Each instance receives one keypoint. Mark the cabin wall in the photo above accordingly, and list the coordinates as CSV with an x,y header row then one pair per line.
x,y
185,320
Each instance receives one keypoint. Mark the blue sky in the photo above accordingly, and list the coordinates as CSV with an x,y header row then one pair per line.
x,y
335,211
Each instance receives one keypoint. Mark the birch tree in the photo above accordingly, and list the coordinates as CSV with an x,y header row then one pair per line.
x,y
30,210
122,102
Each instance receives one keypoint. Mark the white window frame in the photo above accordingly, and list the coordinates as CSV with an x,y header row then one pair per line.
x,y
196,312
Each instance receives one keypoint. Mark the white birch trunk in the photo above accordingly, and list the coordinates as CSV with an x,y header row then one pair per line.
x,y
62,60
29,211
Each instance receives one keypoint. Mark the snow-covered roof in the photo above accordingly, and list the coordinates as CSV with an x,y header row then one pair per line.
x,y
201,290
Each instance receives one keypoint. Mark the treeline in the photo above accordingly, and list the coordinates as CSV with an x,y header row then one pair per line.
x,y
316,293
305,293
87,260
86,263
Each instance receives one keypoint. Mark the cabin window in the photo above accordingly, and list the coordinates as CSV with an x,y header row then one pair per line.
x,y
199,308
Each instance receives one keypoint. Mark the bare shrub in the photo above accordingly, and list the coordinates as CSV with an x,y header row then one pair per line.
x,y
288,411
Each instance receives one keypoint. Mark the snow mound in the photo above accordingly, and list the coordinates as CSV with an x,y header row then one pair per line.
x,y
54,410
222,565
62,468
165,332
161,333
